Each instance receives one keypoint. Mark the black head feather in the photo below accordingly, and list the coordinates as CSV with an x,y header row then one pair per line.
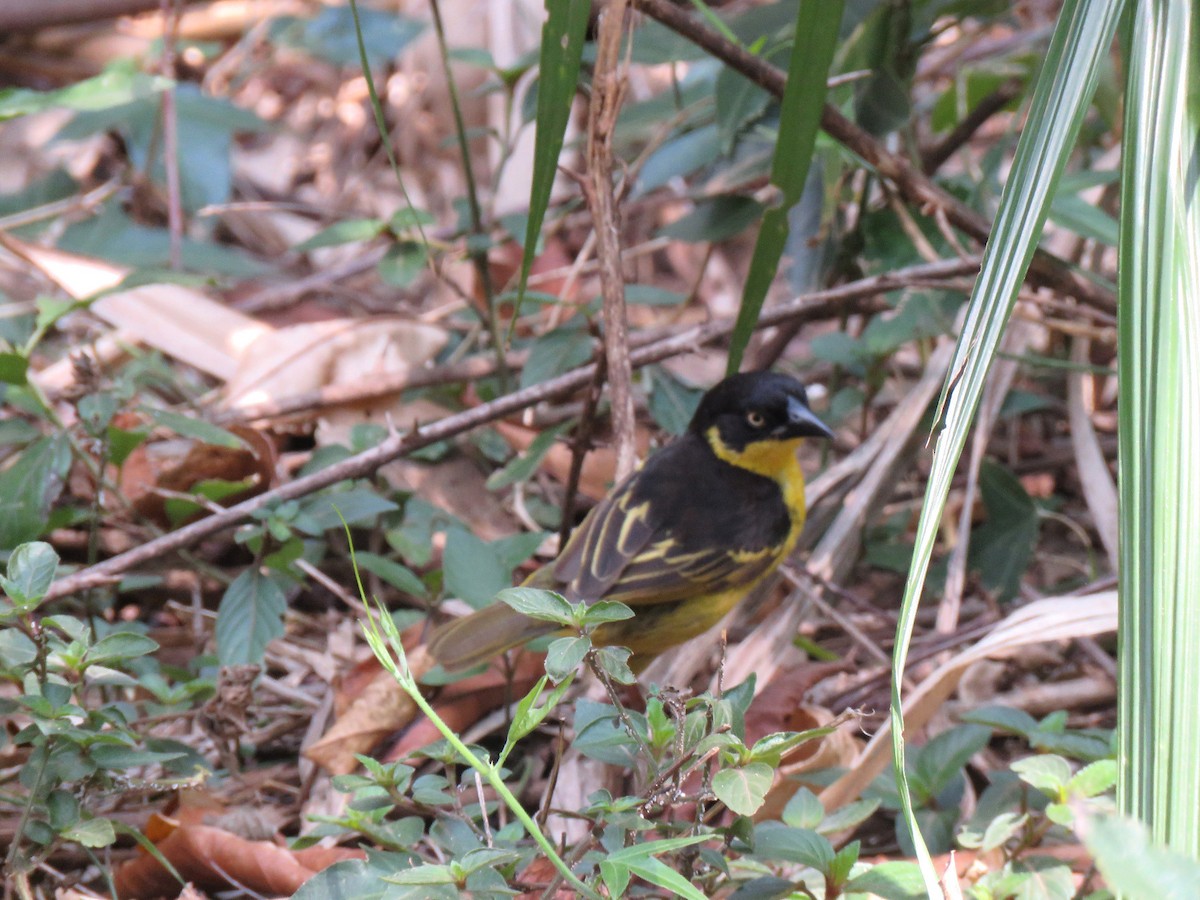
x,y
757,406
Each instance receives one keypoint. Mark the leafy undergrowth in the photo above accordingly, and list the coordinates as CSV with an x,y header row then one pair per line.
x,y
211,374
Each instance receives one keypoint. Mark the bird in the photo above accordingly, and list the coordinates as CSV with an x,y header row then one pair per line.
x,y
681,540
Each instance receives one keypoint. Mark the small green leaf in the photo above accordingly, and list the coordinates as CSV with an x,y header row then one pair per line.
x,y
197,429
564,655
615,662
1049,773
1093,779
889,881
94,833
717,219
615,876
345,232
120,645
521,467
603,611
744,788
547,606
31,570
398,576
803,810
402,263
776,841
14,368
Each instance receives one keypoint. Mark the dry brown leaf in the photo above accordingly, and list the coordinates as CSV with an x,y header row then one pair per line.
x,y
216,859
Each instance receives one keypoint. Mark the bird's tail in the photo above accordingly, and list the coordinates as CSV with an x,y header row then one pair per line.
x,y
479,637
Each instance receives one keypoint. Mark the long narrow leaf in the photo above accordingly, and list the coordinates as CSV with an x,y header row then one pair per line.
x,y
558,73
1077,50
803,100
1159,327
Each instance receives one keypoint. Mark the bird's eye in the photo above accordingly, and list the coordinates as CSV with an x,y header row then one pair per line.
x,y
755,418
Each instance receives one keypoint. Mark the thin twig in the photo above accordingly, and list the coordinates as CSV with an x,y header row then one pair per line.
x,y
608,86
811,306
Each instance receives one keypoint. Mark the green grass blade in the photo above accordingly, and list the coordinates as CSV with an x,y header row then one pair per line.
x,y
1077,51
817,23
558,73
1159,430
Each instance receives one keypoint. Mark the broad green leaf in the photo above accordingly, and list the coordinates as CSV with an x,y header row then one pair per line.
x,y
117,85
817,23
30,486
743,788
1135,866
250,617
776,841
120,645
473,571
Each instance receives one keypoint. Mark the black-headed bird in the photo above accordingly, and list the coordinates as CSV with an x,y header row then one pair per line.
x,y
684,538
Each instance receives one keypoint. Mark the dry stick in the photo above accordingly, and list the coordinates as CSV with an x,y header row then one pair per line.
x,y
170,126
816,305
1046,270
608,85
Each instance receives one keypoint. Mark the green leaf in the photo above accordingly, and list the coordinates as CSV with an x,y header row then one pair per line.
x,y
600,736
330,34
30,486
1002,548
521,467
555,353
345,232
659,873
817,23
402,263
1134,866
603,611
250,617
563,37
538,604
357,506
1093,779
473,571
616,877
672,404
31,570
889,881
120,645
564,655
398,576
849,816
197,429
776,841
943,757
715,219
119,84
14,368
94,833
744,788
1049,774
615,662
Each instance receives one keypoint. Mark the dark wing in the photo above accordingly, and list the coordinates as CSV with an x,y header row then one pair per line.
x,y
669,532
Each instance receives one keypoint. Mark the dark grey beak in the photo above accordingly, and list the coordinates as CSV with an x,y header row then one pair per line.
x,y
802,422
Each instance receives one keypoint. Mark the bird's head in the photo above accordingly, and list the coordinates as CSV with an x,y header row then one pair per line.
x,y
756,420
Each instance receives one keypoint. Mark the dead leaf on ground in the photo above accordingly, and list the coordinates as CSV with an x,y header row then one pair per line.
x,y
216,859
